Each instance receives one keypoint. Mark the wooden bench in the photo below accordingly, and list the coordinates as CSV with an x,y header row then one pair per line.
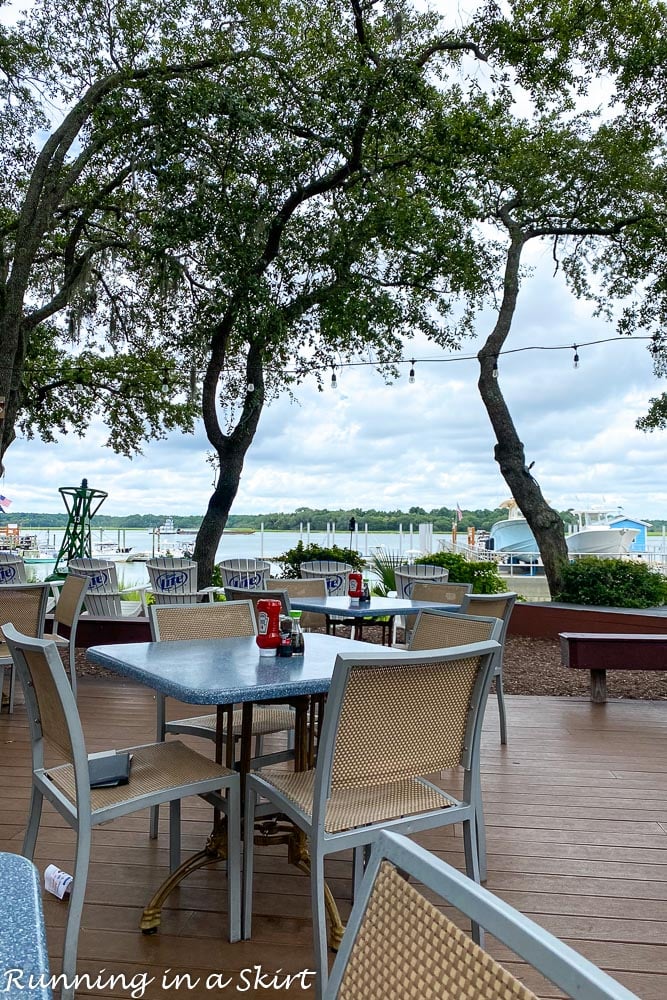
x,y
603,651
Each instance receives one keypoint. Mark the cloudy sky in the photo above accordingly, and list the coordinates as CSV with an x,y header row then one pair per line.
x,y
392,447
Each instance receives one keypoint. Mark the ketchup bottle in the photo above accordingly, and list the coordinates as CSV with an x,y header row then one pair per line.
x,y
268,626
355,587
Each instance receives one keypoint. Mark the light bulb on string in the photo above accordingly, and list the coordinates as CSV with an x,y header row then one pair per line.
x,y
250,387
576,356
334,381
411,376
494,370
165,382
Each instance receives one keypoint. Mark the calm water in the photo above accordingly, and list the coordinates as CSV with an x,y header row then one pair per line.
x,y
269,546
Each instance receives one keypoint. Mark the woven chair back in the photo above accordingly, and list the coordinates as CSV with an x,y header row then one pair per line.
x,y
47,714
403,721
410,573
431,957
442,630
493,605
220,620
12,569
67,606
312,587
24,605
335,574
239,594
245,574
448,593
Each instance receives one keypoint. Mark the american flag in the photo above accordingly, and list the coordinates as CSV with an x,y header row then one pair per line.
x,y
5,502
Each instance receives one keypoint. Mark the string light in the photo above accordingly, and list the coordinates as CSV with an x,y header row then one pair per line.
x,y
334,382
494,370
576,356
250,387
165,382
411,376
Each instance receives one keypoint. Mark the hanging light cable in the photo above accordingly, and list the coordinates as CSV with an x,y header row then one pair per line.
x,y
576,356
411,376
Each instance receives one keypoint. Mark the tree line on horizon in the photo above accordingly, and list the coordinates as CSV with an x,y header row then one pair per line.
x,y
442,519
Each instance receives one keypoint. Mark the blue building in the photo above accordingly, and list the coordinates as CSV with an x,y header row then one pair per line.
x,y
623,521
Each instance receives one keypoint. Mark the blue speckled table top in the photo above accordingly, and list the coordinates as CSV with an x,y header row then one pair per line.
x,y
23,952
378,607
223,671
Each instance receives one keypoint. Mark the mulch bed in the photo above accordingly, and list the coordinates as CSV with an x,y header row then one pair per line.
x,y
531,667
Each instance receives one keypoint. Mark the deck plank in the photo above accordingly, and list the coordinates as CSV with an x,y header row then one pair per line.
x,y
576,812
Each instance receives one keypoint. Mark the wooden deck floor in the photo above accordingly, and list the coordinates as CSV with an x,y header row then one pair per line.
x,y
576,809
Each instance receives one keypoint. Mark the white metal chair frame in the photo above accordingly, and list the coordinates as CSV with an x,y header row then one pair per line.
x,y
58,724
29,615
360,966
481,603
66,613
312,819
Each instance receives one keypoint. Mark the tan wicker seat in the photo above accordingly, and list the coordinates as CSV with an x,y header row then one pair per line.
x,y
164,772
398,944
389,722
24,605
226,619
448,593
239,594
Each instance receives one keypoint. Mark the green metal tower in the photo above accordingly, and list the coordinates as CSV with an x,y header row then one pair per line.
x,y
82,504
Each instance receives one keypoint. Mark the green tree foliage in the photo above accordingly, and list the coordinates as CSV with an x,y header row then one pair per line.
x,y
483,575
615,583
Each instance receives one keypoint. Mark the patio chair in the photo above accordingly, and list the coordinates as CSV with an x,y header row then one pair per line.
x,y
448,593
497,606
24,605
389,722
66,615
399,944
103,597
160,772
335,574
410,573
313,587
442,630
221,620
407,575
248,574
173,580
12,568
240,594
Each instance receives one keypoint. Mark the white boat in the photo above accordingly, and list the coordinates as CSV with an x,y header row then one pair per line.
x,y
167,528
592,535
111,550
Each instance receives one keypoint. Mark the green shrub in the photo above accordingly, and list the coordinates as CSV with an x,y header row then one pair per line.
x,y
291,560
612,583
484,576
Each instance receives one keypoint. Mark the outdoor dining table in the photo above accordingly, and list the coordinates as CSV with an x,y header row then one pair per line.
x,y
24,961
221,673
378,608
